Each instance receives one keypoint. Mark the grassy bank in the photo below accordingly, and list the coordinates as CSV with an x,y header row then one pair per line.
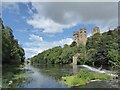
x,y
13,76
84,76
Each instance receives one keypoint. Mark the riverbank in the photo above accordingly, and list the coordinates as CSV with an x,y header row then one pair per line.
x,y
13,76
47,76
85,76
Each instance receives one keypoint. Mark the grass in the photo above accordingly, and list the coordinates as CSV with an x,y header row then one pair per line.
x,y
13,73
83,77
20,76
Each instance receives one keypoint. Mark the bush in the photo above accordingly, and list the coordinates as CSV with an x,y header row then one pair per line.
x,y
83,77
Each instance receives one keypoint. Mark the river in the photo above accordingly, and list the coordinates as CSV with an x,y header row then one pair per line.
x,y
49,76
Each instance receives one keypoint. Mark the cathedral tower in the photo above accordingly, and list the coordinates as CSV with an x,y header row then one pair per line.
x,y
80,37
83,36
76,37
96,30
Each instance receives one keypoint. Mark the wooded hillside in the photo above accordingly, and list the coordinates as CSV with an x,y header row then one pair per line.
x,y
101,49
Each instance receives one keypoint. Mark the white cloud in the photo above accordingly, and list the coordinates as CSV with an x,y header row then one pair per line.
x,y
65,41
53,18
37,46
30,52
35,38
47,25
83,12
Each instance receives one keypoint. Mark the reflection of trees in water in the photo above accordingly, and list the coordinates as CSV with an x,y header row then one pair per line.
x,y
55,71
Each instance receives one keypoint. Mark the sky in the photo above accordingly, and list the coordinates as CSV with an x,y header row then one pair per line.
x,y
39,26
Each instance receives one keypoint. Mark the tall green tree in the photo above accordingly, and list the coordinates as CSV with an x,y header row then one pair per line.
x,y
12,52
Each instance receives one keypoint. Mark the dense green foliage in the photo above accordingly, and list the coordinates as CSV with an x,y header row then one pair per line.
x,y
56,55
101,49
83,77
13,56
12,52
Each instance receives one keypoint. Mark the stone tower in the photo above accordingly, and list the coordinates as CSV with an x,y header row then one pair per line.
x,y
96,30
76,37
82,36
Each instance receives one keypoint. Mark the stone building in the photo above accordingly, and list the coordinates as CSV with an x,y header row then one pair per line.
x,y
75,58
80,37
95,30
76,37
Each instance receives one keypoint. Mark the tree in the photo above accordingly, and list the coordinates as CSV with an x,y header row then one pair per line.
x,y
100,49
114,58
11,50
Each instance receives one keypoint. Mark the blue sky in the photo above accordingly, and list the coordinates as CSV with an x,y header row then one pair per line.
x,y
40,26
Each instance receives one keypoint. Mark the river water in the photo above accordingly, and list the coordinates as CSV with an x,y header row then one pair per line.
x,y
49,76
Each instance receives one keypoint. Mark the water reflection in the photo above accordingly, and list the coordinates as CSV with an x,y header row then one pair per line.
x,y
45,77
75,69
49,76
